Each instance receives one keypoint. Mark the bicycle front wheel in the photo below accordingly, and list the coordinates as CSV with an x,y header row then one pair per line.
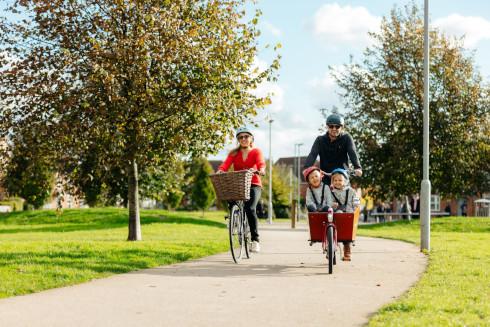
x,y
235,229
330,249
246,237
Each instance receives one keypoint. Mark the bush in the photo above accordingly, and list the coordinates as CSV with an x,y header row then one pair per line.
x,y
282,211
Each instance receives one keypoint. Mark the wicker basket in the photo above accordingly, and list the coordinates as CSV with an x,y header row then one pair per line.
x,y
233,185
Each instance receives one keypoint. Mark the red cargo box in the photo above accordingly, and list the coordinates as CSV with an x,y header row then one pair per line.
x,y
346,224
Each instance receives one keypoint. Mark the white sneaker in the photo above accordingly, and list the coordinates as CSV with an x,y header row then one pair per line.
x,y
255,246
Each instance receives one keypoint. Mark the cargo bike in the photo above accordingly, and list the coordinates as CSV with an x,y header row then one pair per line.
x,y
330,228
234,187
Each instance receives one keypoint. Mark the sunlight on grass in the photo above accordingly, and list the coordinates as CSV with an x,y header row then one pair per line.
x,y
39,251
455,290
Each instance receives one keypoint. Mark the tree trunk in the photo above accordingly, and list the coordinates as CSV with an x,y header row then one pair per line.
x,y
134,233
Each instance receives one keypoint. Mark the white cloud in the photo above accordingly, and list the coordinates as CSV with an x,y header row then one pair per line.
x,y
324,90
274,30
300,126
276,92
339,25
269,88
475,29
261,133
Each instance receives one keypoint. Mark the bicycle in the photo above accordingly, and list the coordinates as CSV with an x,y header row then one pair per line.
x,y
331,228
234,187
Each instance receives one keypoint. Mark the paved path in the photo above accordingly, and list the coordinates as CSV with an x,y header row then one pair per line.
x,y
287,284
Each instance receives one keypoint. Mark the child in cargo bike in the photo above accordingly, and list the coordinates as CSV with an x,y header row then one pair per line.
x,y
318,194
340,196
344,199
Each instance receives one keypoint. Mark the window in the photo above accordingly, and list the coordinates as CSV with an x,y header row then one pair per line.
x,y
435,203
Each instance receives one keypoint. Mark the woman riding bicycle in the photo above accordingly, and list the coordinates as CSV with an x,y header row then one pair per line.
x,y
246,156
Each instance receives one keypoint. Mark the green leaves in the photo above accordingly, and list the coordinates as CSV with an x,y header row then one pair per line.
x,y
202,191
137,77
385,95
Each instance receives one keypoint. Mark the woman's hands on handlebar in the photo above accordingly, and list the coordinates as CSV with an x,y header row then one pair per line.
x,y
260,172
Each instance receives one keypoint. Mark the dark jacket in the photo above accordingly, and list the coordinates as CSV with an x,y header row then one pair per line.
x,y
333,154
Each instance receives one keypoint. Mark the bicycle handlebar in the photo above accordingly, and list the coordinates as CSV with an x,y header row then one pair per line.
x,y
350,172
255,171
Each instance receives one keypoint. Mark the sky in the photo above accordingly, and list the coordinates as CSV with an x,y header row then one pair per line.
x,y
316,34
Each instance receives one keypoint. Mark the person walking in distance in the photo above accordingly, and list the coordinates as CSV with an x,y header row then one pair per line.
x,y
247,156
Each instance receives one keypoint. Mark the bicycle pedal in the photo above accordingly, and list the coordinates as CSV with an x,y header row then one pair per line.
x,y
227,217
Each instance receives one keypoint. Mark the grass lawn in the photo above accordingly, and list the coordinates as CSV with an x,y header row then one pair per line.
x,y
39,251
455,290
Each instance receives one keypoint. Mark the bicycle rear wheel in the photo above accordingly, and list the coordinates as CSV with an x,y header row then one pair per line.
x,y
235,230
330,249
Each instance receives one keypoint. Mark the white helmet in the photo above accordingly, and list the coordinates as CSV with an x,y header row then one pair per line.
x,y
243,129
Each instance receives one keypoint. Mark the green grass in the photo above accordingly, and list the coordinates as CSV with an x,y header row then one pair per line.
x,y
455,289
39,250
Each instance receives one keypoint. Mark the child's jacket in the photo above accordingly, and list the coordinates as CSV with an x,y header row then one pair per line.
x,y
346,198
319,197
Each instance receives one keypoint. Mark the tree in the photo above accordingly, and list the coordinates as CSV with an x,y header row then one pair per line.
x,y
202,195
281,190
149,80
481,179
164,184
28,174
385,98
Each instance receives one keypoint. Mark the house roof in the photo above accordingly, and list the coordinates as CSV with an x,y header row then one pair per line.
x,y
293,162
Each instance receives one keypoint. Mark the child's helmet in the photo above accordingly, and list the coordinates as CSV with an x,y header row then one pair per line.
x,y
340,171
243,129
309,170
335,119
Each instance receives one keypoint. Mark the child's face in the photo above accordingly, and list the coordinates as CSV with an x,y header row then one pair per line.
x,y
338,181
314,178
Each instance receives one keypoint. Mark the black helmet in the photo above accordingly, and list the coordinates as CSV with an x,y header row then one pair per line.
x,y
335,119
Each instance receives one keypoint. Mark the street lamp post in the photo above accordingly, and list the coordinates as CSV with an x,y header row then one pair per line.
x,y
299,179
269,211
425,188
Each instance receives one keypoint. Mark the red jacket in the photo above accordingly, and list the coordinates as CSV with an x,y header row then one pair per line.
x,y
255,160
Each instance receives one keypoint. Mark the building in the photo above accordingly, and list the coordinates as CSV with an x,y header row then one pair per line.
x,y
292,163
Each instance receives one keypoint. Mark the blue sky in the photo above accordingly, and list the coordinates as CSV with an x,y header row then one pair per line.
x,y
316,34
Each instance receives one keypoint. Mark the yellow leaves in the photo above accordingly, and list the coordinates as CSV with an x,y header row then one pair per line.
x,y
267,101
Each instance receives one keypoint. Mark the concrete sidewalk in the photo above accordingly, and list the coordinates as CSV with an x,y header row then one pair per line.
x,y
287,284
